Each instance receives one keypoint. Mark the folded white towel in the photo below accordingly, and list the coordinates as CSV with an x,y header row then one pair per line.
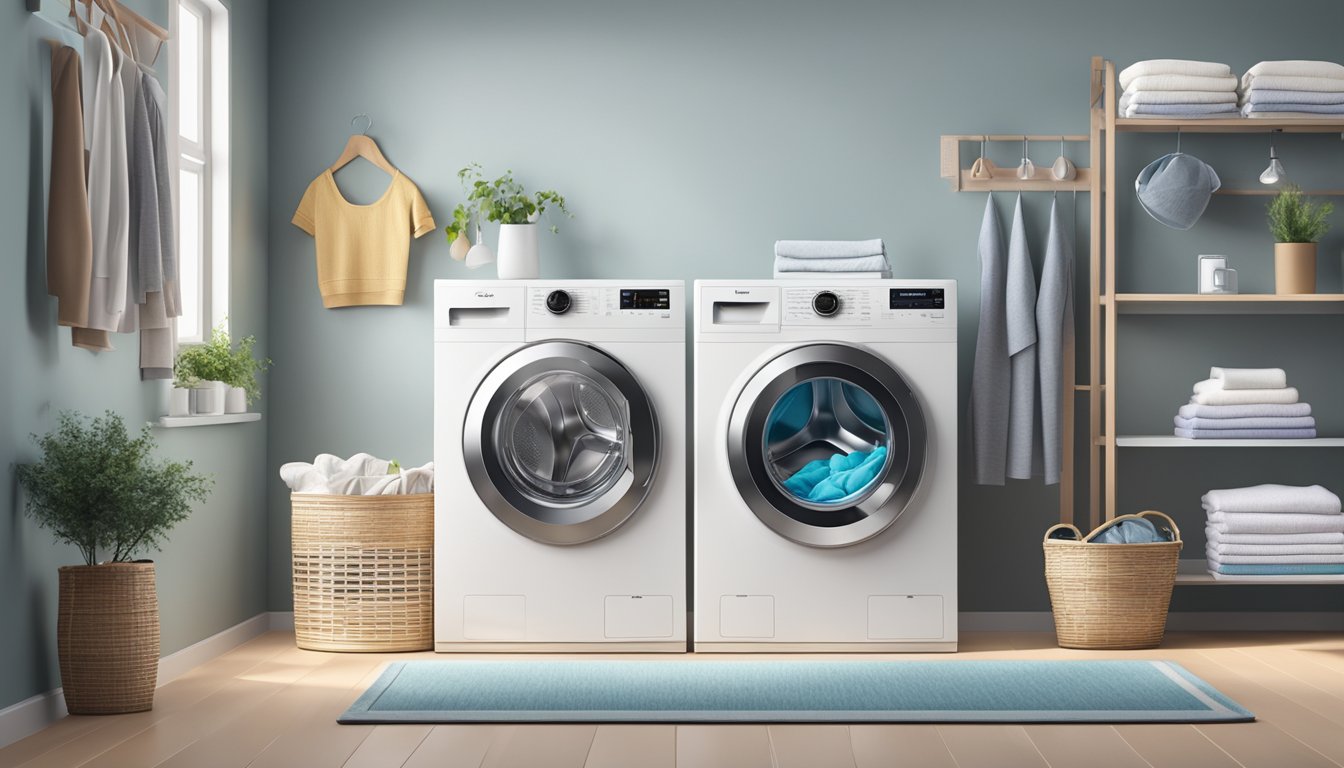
x,y
862,264
1245,396
1183,83
1296,83
1249,411
1262,422
1218,557
829,249
1130,98
1275,522
1278,550
1291,68
1271,497
1250,378
1172,67
1215,536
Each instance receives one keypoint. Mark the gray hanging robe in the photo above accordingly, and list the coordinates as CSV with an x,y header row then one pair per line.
x,y
1054,330
988,417
1024,457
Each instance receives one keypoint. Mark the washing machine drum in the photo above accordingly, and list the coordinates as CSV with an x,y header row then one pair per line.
x,y
827,444
561,442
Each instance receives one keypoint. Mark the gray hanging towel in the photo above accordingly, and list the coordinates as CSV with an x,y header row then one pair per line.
x,y
988,415
1024,457
1054,330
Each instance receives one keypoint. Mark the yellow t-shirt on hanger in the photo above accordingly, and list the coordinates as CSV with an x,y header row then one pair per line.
x,y
362,250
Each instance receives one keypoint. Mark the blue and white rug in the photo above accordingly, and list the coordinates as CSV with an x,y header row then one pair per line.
x,y
772,691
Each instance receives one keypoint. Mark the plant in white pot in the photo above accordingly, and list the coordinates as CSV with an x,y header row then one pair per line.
x,y
505,201
97,488
243,388
203,368
1297,225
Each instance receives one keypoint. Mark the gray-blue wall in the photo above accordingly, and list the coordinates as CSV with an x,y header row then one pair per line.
x,y
212,573
689,136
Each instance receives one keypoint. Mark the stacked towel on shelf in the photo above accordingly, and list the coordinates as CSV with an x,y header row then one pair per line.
x,y
1274,530
844,258
1178,88
1293,88
1245,403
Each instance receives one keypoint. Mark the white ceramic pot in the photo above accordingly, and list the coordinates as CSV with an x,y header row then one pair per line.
x,y
179,401
235,400
516,258
208,398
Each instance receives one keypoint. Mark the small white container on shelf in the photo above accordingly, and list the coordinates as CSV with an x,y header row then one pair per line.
x,y
179,401
207,398
235,400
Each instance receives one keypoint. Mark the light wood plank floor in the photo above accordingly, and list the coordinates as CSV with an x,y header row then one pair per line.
x,y
266,703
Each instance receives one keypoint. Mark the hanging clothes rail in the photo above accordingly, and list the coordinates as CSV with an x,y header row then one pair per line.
x,y
986,178
121,13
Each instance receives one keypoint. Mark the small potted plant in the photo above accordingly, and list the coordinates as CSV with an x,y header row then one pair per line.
x,y
505,201
203,368
243,388
1297,225
97,488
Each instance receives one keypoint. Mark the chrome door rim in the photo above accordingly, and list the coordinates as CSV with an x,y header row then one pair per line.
x,y
559,523
870,515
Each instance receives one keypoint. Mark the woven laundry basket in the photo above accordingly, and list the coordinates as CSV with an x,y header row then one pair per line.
x,y
107,637
363,572
1111,596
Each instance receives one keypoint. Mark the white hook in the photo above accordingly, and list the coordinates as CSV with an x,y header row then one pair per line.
x,y
355,120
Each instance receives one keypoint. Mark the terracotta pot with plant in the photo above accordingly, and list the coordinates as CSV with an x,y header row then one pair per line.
x,y
99,489
1297,225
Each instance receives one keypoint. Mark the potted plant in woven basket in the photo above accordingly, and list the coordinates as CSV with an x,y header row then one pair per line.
x,y
98,488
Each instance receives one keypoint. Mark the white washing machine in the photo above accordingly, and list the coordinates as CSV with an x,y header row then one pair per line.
x,y
559,451
825,465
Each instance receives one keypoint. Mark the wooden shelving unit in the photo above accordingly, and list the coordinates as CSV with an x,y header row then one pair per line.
x,y
1107,305
1196,573
1171,441
1228,304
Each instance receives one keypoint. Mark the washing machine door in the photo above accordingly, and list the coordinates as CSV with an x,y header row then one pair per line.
x,y
561,442
827,444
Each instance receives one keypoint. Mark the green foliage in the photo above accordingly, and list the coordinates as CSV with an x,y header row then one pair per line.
x,y
1294,219
99,489
217,360
503,200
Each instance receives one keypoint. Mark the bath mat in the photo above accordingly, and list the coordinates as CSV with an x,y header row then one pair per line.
x,y
773,691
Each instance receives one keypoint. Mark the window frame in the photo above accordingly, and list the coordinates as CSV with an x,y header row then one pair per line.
x,y
208,157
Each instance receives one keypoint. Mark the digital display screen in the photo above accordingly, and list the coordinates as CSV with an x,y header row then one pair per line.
x,y
646,298
916,298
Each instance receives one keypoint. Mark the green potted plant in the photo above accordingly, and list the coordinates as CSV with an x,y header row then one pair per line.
x,y
99,489
1297,225
505,201
203,368
243,388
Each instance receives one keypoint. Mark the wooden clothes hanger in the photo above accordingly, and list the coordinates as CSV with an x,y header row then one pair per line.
x,y
360,145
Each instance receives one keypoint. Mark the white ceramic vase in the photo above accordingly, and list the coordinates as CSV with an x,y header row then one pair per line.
x,y
235,400
208,398
516,258
179,401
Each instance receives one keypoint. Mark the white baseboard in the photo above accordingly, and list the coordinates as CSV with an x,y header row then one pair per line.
x,y
1186,621
34,713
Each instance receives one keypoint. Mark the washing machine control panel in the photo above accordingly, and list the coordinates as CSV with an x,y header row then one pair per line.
x,y
887,306
597,306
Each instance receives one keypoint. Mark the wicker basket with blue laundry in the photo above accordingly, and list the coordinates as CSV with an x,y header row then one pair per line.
x,y
1111,588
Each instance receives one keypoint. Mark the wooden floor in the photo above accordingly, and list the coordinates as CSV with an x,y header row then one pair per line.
x,y
267,703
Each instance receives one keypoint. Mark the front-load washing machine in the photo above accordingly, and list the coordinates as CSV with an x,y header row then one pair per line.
x,y
560,470
825,515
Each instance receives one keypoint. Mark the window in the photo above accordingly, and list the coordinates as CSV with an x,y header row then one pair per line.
x,y
199,88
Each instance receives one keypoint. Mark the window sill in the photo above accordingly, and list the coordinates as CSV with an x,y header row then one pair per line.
x,y
172,422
